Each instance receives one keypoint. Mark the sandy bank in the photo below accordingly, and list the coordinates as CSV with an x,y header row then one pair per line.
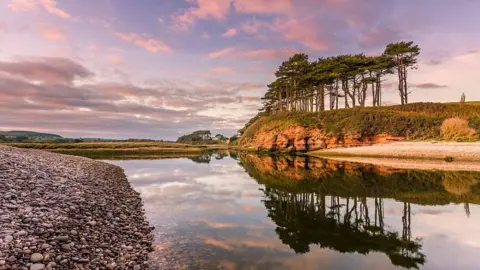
x,y
418,164
413,155
66,212
412,150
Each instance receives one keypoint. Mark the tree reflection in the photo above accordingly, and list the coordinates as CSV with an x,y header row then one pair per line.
x,y
203,158
206,157
349,179
344,224
339,205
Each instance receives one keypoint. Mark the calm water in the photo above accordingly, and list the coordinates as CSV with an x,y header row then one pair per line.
x,y
229,211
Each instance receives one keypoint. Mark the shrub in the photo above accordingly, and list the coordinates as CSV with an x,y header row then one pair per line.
x,y
456,129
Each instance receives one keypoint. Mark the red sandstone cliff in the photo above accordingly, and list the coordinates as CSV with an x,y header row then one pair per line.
x,y
309,139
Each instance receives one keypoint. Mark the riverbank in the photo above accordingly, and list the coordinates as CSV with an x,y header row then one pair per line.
x,y
65,212
450,151
119,146
121,150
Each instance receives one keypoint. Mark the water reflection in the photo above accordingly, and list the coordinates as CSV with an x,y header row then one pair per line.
x,y
345,225
232,210
206,157
339,205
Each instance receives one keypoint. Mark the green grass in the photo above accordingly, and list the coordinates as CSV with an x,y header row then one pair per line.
x,y
417,121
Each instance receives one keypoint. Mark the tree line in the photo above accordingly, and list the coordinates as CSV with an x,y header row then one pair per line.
x,y
203,137
343,80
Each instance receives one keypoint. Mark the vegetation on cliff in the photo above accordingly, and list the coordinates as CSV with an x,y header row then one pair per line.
x,y
416,121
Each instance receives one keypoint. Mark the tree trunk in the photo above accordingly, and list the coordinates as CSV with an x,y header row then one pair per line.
x,y
405,85
322,98
336,94
400,80
280,105
379,90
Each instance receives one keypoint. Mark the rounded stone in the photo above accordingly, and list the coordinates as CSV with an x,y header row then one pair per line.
x,y
62,238
36,257
8,238
37,266
21,233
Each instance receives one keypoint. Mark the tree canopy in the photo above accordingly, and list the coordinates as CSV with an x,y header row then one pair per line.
x,y
196,136
343,80
202,137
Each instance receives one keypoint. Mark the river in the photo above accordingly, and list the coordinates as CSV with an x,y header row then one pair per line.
x,y
242,211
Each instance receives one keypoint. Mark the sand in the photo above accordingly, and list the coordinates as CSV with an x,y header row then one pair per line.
x,y
414,155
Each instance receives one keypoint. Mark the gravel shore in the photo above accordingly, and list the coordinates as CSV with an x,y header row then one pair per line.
x,y
65,212
412,150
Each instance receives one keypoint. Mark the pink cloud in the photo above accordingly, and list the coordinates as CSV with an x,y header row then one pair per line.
x,y
254,27
52,32
303,31
267,53
114,59
222,52
262,53
47,70
202,9
230,33
3,26
264,6
29,5
149,43
222,70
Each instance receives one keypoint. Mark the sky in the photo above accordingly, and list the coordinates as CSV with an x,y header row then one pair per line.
x,y
163,68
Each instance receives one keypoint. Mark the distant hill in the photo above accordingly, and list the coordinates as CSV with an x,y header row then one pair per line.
x,y
29,134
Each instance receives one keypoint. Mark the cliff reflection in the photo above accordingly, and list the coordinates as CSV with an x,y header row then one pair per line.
x,y
349,179
339,205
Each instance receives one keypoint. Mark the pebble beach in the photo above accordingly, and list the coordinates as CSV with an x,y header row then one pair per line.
x,y
65,212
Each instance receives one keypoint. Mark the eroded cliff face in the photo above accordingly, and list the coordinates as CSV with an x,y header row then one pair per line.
x,y
303,139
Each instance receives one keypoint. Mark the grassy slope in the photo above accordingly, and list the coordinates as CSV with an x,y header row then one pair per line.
x,y
416,121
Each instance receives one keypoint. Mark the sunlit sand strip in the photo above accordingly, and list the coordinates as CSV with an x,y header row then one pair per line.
x,y
469,151
414,163
414,155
